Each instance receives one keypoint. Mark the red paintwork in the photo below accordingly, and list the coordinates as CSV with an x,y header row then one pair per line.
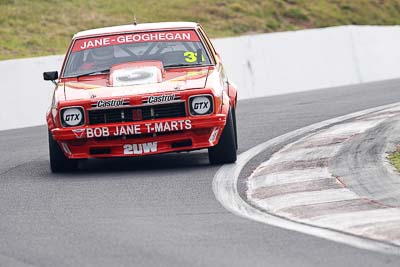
x,y
183,82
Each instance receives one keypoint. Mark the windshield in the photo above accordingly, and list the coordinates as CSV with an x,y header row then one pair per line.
x,y
173,48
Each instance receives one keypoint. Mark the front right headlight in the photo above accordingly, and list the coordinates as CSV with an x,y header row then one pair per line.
x,y
72,116
201,105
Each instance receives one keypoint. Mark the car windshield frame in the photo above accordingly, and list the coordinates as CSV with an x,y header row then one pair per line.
x,y
202,42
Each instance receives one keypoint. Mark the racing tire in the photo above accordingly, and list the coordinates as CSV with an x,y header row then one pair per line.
x,y
58,161
225,150
235,128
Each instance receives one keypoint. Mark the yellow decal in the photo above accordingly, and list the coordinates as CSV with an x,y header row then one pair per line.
x,y
190,74
82,85
191,57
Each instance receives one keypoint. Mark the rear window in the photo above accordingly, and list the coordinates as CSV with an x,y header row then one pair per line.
x,y
173,48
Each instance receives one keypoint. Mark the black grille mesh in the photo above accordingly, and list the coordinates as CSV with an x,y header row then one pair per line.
x,y
173,110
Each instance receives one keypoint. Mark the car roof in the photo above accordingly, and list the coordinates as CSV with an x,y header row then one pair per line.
x,y
137,27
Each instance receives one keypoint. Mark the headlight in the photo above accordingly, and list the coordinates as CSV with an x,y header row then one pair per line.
x,y
201,105
72,117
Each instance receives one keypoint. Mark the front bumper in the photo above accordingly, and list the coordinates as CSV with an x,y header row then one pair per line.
x,y
140,138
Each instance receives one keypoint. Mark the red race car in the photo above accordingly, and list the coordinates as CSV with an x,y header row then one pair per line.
x,y
137,90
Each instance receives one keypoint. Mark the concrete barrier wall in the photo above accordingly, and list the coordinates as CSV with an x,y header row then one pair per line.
x,y
261,65
278,63
25,97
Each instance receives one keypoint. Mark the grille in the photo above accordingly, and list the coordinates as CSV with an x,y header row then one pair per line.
x,y
100,116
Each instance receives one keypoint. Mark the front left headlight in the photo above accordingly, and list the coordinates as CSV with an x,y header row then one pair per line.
x,y
73,116
201,105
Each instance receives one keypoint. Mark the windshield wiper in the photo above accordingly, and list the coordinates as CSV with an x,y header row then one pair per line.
x,y
93,73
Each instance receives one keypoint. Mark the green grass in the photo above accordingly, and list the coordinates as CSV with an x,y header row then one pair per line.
x,y
395,159
44,27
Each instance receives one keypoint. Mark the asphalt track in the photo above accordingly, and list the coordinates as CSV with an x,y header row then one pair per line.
x,y
161,210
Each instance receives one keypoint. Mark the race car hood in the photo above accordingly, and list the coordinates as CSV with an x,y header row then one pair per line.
x,y
99,86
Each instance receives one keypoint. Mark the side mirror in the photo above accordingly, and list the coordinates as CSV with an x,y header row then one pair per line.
x,y
50,75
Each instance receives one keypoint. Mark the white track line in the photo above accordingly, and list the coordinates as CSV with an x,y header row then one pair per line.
x,y
352,219
352,128
305,198
225,190
313,153
288,177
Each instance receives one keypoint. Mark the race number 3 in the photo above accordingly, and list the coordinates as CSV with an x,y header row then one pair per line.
x,y
191,57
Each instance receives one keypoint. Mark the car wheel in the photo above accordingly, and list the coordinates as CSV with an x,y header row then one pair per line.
x,y
58,161
235,129
225,150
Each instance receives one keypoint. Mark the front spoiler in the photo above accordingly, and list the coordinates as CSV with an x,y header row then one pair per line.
x,y
148,137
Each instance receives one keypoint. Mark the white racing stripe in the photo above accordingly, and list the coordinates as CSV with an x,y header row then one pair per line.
x,y
226,179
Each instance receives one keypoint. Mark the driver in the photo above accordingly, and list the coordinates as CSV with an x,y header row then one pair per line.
x,y
99,58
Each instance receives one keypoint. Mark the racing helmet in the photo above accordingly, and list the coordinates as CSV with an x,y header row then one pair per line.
x,y
102,53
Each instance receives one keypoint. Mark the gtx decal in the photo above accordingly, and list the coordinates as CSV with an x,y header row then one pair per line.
x,y
140,149
147,128
72,117
160,99
165,36
112,103
201,106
